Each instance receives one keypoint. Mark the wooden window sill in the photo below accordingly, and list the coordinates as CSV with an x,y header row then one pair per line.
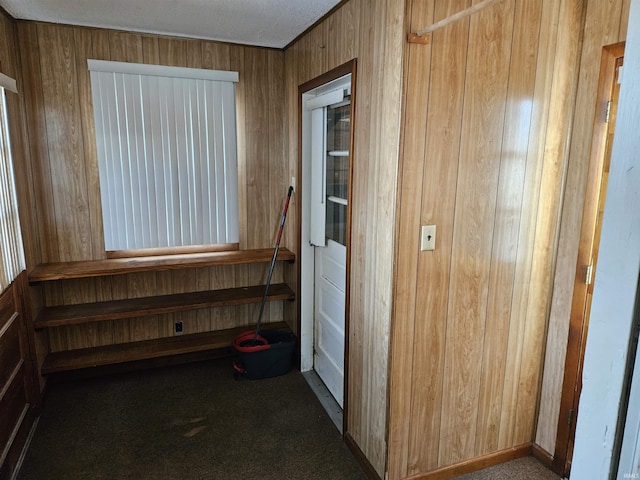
x,y
119,266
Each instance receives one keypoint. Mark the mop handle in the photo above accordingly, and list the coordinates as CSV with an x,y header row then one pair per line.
x,y
273,262
284,215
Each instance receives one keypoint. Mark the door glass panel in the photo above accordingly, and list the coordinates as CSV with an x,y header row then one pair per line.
x,y
338,136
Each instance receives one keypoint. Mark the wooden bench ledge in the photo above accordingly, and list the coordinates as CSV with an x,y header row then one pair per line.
x,y
118,266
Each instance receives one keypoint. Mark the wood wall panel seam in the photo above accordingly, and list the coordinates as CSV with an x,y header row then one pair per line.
x,y
84,46
476,195
442,157
572,33
525,255
61,108
511,183
402,331
37,134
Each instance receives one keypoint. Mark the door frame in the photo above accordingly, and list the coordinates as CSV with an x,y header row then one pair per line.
x,y
578,324
340,71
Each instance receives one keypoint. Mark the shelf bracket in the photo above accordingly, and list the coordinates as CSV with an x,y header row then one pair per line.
x,y
419,39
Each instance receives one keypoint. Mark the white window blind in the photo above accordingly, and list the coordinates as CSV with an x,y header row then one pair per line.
x,y
167,155
11,249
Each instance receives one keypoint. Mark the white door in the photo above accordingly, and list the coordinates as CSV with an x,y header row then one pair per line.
x,y
329,178
629,465
329,315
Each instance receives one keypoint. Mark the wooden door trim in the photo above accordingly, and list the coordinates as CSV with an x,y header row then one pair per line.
x,y
576,341
340,71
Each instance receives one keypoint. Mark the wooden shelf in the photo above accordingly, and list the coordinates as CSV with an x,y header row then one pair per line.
x,y
137,307
66,315
144,350
118,266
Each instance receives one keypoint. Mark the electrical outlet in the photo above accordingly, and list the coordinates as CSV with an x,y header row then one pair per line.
x,y
178,330
428,238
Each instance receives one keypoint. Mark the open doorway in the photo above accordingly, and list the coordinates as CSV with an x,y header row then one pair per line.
x,y
325,170
595,196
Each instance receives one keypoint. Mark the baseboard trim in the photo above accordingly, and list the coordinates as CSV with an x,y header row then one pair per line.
x,y
475,464
542,456
361,458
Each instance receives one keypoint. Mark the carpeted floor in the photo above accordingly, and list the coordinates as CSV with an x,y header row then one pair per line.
x,y
186,422
195,422
527,468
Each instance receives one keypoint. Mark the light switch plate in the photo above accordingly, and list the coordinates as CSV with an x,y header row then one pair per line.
x,y
428,238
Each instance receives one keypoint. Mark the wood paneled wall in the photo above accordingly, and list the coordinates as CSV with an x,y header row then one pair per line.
x,y
16,104
65,198
9,65
605,24
371,31
487,115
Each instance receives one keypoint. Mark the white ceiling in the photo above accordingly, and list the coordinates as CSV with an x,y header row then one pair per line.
x,y
267,23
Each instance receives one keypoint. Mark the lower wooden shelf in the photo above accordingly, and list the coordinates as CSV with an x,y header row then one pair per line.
x,y
128,352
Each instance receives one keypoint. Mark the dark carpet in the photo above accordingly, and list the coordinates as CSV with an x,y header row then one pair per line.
x,y
190,421
526,468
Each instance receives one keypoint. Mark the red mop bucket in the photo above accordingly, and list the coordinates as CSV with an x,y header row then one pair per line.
x,y
265,353
270,356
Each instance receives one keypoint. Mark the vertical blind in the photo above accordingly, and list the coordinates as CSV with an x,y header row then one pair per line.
x,y
11,249
167,155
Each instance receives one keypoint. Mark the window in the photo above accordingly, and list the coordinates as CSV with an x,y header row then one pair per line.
x,y
11,250
330,138
166,140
